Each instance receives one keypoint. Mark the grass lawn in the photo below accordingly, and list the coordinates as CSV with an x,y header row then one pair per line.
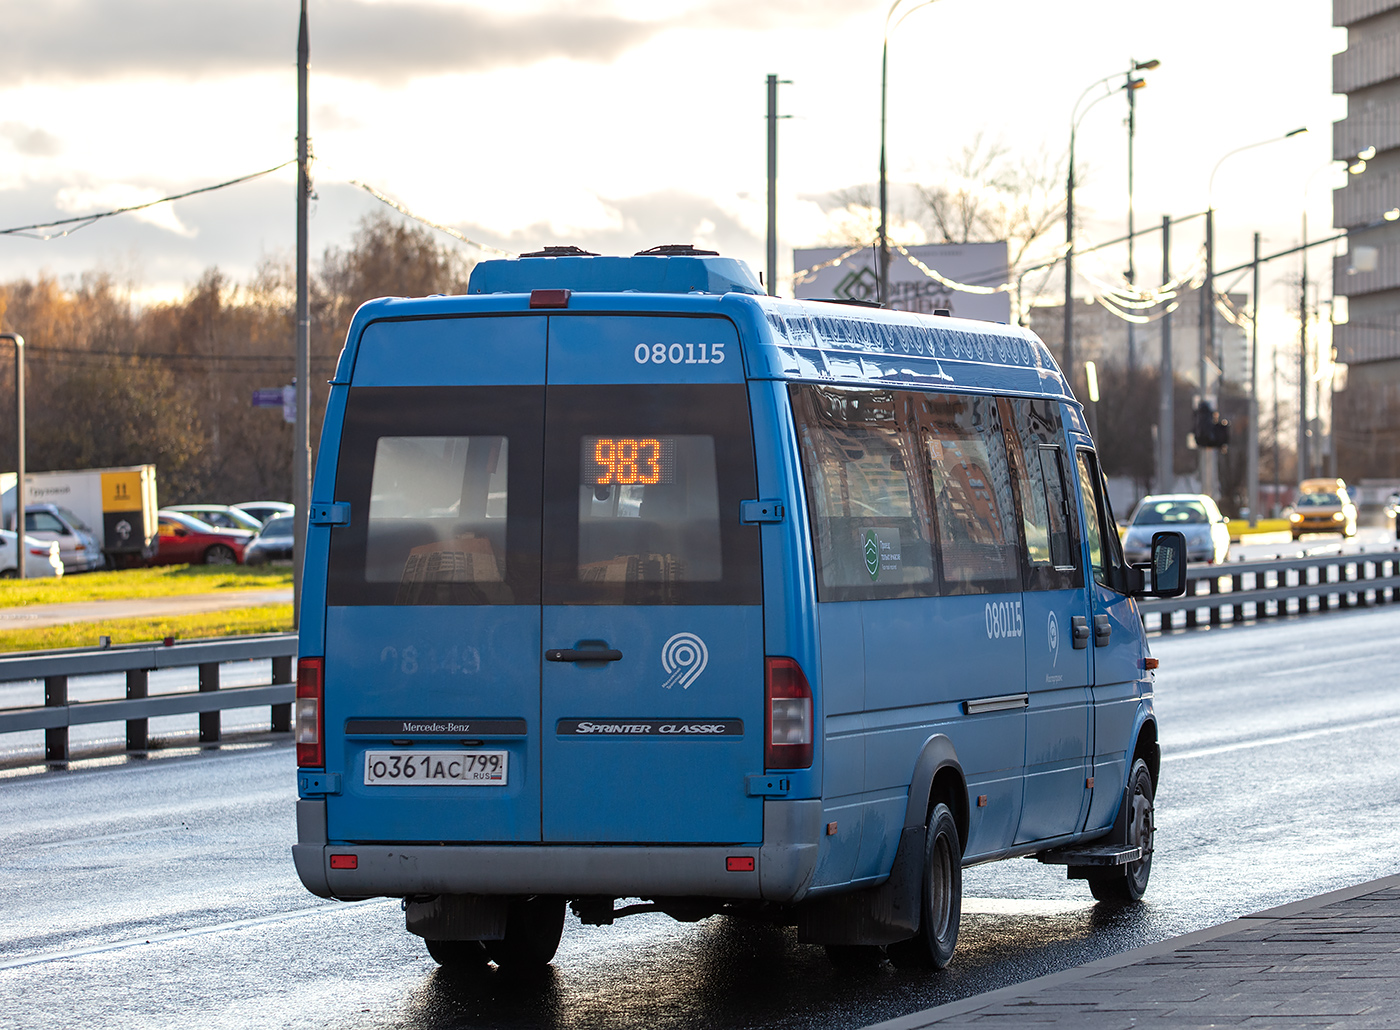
x,y
274,618
163,581
128,584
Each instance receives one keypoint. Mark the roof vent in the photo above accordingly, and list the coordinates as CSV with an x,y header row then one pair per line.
x,y
569,251
946,312
676,250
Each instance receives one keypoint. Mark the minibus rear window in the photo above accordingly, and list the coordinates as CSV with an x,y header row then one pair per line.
x,y
643,486
443,485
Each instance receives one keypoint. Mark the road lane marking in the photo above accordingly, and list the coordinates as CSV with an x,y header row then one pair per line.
x,y
199,931
1287,738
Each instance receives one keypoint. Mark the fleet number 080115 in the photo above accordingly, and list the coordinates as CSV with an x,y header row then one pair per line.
x,y
679,353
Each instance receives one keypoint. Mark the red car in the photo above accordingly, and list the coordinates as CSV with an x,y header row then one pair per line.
x,y
185,540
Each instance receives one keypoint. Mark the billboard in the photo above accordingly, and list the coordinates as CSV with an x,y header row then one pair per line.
x,y
911,289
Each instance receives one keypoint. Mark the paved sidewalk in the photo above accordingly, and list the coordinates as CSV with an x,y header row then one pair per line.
x,y
34,616
1329,961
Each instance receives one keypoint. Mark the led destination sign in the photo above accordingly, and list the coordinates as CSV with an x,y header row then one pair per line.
x,y
628,460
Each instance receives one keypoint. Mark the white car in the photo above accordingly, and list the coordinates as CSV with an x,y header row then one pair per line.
x,y
76,541
264,510
42,560
1194,516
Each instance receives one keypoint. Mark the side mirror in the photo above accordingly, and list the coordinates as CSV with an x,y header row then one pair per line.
x,y
1167,569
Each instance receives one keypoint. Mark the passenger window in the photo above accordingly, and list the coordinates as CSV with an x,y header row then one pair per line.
x,y
642,495
437,513
868,493
965,452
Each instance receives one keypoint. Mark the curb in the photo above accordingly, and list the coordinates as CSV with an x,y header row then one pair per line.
x,y
928,1017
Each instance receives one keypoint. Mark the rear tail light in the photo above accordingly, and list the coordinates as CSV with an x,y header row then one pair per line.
x,y
310,715
788,704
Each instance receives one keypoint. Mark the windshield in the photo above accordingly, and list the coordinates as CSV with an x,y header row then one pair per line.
x,y
1160,513
1319,501
281,525
73,520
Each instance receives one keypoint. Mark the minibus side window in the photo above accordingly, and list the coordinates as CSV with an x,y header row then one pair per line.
x,y
964,448
867,491
1034,442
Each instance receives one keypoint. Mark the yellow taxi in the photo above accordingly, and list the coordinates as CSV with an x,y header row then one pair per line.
x,y
1323,506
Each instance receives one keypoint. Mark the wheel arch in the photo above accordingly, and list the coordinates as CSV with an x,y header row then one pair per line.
x,y
1147,748
938,776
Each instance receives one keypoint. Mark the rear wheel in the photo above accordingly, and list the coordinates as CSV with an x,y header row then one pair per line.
x,y
458,954
9,574
1128,883
219,554
941,911
534,926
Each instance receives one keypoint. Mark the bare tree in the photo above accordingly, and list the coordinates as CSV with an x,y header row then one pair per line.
x,y
990,194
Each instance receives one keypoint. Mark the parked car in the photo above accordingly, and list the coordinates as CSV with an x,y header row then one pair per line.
x,y
264,510
42,559
273,542
1195,516
224,516
185,539
1392,512
1323,506
77,543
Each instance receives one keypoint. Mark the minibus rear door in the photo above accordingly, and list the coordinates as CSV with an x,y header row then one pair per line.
x,y
651,705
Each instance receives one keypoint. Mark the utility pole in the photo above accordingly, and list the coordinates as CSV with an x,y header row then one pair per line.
x,y
1165,393
1132,125
1206,297
21,551
1252,458
773,83
301,443
1303,362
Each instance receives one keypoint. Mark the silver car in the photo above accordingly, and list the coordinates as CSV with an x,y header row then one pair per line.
x,y
1195,516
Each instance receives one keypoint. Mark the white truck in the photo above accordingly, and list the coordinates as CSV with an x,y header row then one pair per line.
x,y
119,504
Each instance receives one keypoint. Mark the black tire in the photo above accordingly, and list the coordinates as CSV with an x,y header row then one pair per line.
x,y
534,926
220,554
857,958
941,909
9,574
458,954
1127,884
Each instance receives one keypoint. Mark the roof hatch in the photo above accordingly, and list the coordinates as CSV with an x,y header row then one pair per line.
x,y
674,268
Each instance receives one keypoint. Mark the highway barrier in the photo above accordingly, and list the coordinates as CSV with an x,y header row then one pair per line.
x,y
57,713
1242,591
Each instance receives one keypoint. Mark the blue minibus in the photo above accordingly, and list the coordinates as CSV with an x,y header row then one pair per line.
x,y
625,582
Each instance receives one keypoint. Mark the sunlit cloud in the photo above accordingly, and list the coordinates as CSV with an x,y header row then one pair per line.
x,y
30,140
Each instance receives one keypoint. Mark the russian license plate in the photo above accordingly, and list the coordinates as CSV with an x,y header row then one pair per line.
x,y
436,768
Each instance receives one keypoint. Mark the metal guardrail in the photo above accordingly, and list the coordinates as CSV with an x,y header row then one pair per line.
x,y
138,661
1264,589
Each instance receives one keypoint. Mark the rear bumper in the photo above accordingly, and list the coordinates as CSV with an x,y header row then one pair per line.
x,y
782,866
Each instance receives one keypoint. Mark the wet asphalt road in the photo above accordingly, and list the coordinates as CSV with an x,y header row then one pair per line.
x,y
161,893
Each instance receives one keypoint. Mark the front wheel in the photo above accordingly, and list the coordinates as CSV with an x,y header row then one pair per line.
x,y
941,911
534,926
220,555
1127,883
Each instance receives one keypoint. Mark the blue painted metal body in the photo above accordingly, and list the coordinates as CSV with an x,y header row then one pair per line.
x,y
886,675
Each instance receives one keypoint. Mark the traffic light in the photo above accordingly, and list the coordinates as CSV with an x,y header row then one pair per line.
x,y
1210,429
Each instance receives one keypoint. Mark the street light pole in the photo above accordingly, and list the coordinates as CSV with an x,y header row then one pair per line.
x,y
883,279
20,550
773,83
1252,458
1132,85
301,444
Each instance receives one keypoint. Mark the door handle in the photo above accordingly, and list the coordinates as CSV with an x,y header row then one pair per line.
x,y
1103,630
1079,631
590,654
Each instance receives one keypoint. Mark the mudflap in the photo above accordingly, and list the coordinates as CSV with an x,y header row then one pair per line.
x,y
457,917
877,915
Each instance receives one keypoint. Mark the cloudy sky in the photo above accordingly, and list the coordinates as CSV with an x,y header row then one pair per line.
x,y
619,124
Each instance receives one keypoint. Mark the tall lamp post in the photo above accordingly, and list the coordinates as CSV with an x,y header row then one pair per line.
x,y
1207,456
884,277
1077,116
1132,86
20,550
